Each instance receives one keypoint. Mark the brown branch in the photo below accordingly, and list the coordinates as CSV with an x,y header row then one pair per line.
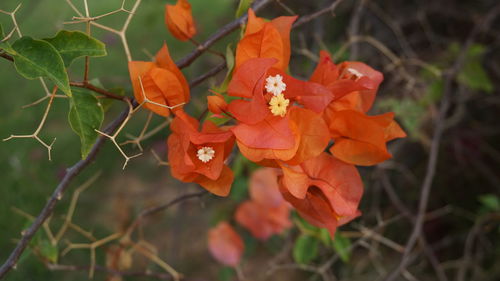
x,y
198,80
6,56
98,90
222,32
64,267
307,18
73,171
434,150
162,207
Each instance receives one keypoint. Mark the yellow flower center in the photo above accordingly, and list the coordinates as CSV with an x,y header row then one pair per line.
x,y
278,105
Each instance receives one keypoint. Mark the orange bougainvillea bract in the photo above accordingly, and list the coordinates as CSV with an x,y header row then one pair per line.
x,y
324,190
161,82
266,40
359,139
179,20
199,156
266,213
308,134
225,245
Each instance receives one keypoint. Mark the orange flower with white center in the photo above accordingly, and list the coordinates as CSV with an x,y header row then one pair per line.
x,y
205,154
275,85
278,105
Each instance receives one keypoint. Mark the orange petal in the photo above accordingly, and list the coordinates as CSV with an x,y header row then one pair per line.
x,y
262,221
313,132
179,20
264,189
370,79
254,23
326,71
169,86
164,60
245,79
273,132
339,182
216,104
221,186
138,70
266,43
225,245
358,152
265,156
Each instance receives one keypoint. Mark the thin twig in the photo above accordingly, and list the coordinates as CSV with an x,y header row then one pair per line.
x,y
434,150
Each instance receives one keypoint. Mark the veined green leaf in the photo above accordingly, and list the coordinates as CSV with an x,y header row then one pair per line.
x,y
37,58
75,44
85,116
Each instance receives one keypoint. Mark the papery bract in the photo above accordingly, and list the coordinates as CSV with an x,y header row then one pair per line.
x,y
295,136
162,83
266,40
324,190
199,156
179,20
225,245
361,139
216,103
355,82
266,213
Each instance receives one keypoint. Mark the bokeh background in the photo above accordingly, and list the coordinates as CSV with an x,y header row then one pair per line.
x,y
414,43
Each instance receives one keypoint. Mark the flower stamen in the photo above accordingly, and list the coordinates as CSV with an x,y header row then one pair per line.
x,y
205,154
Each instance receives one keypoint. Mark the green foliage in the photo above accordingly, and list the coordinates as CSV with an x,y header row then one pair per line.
x,y
75,44
342,246
489,203
305,249
226,273
340,243
37,58
85,116
4,45
409,111
243,7
48,251
473,74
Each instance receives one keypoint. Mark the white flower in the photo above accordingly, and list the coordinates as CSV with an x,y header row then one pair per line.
x,y
205,154
275,85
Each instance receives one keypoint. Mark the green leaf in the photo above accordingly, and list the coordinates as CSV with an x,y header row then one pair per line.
x,y
433,93
305,249
37,58
49,251
75,44
230,67
4,45
85,116
226,273
474,76
490,202
342,246
243,7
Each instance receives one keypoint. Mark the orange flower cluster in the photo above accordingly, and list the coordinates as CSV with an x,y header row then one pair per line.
x,y
276,121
